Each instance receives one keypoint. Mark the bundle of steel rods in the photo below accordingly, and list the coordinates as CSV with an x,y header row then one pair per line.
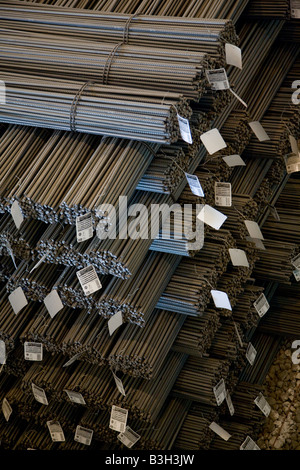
x,y
195,433
89,107
188,291
124,65
267,347
267,9
244,311
198,377
283,318
142,30
197,333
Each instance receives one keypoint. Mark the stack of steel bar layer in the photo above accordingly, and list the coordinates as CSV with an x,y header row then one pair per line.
x,y
267,347
198,377
195,433
135,298
188,291
244,312
283,318
133,66
147,115
197,333
142,30
268,9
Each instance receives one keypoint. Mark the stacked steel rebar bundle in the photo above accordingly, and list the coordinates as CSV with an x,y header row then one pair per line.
x,y
198,377
173,331
267,9
197,333
195,433
89,107
284,316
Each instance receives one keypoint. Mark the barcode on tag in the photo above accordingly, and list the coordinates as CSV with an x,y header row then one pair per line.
x,y
2,352
33,351
83,435
292,164
296,273
84,227
223,194
119,384
296,262
262,404
251,353
220,392
118,418
128,437
229,403
218,79
89,280
295,9
185,130
6,409
56,432
249,444
194,185
39,394
261,305
75,397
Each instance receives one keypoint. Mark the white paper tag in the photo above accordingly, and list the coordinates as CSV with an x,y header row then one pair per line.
x,y
119,384
251,353
40,261
89,280
83,435
211,217
114,322
233,55
218,79
274,213
234,160
261,305
223,194
73,359
75,397
185,130
56,432
237,97
219,431
257,242
39,394
296,273
33,351
292,164
221,299
249,444
238,335
2,352
128,437
296,261
84,227
16,214
238,257
295,9
17,300
213,141
118,418
262,404
259,131
229,403
194,185
53,303
294,145
9,249
6,409
253,229
220,392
